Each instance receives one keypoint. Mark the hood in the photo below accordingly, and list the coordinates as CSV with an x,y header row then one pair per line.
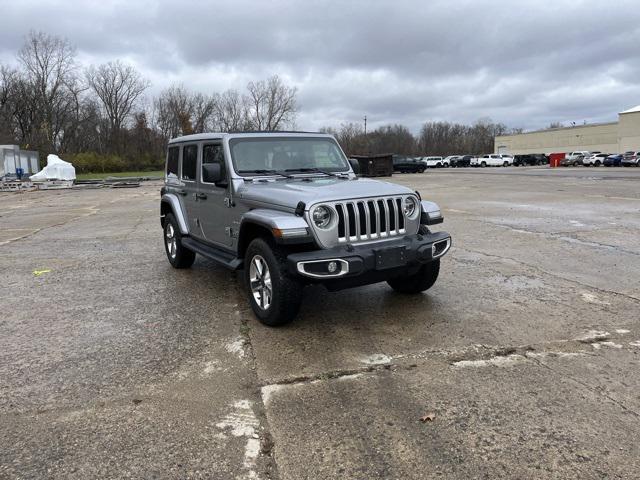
x,y
288,193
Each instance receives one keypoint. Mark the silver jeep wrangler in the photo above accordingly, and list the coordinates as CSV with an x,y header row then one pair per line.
x,y
288,209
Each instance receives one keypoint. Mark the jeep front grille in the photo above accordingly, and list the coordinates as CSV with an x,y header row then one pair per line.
x,y
370,219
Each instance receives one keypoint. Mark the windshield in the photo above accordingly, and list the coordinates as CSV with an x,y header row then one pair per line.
x,y
264,156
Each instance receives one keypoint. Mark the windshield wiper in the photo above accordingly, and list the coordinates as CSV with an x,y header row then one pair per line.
x,y
315,170
267,172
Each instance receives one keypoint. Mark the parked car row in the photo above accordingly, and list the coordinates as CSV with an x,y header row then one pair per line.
x,y
577,158
454,161
404,164
630,158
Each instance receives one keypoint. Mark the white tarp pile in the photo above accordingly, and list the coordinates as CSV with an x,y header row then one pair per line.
x,y
56,169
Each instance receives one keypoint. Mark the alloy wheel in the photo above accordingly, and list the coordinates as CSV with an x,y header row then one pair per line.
x,y
171,241
260,282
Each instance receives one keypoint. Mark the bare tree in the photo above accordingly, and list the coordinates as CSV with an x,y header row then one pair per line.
x,y
202,112
88,131
24,110
8,78
49,69
443,138
351,138
231,111
173,112
272,104
118,86
392,139
179,112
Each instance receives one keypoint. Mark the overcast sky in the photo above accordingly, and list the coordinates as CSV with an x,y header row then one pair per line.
x,y
523,63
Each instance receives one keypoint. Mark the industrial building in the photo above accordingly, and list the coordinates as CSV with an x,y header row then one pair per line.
x,y
612,137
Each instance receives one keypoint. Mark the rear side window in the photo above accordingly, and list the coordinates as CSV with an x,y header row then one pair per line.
x,y
189,162
172,162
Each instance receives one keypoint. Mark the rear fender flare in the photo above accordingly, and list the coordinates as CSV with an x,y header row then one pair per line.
x,y
173,203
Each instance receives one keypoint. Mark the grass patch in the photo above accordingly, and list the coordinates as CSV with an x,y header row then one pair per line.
x,y
99,176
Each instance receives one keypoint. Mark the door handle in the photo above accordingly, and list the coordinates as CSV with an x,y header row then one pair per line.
x,y
202,196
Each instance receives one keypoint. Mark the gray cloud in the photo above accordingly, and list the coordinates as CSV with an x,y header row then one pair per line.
x,y
523,63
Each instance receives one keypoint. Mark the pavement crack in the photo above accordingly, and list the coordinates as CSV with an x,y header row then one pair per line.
x,y
135,227
92,211
588,387
27,235
267,442
551,274
568,236
329,375
474,354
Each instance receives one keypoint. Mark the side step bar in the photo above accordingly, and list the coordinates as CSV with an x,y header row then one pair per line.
x,y
212,253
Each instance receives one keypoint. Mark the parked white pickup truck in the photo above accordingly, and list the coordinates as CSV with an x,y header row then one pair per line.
x,y
491,160
508,157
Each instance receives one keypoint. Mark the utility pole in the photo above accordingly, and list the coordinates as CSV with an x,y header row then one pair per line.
x,y
366,139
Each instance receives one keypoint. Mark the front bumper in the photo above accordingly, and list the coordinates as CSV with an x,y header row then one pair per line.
x,y
370,263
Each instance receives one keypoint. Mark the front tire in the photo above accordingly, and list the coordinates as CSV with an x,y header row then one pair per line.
x,y
274,296
420,281
178,255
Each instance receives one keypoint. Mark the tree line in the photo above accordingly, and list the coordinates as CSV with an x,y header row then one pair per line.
x,y
434,138
101,118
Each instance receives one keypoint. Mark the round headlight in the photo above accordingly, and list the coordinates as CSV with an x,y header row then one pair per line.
x,y
410,207
321,216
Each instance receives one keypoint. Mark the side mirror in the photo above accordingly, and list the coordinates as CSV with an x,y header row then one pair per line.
x,y
355,165
212,173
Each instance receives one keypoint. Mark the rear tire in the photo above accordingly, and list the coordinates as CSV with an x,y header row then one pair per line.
x,y
178,255
420,281
274,296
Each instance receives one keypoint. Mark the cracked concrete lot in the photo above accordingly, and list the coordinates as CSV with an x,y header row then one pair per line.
x,y
522,360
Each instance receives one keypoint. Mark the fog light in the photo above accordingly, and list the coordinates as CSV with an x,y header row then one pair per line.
x,y
332,267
